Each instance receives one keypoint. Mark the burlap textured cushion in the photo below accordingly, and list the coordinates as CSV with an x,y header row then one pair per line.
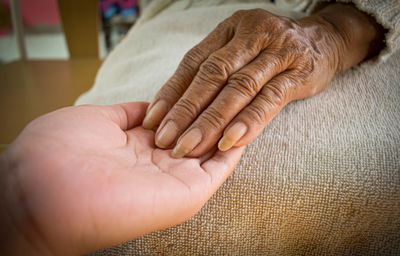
x,y
322,179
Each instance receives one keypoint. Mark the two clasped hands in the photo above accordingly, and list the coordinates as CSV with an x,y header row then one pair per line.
x,y
88,177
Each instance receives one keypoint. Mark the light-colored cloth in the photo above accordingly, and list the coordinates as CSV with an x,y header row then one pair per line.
x,y
385,12
322,179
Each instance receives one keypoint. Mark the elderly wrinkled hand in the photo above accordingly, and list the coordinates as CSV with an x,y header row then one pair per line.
x,y
234,82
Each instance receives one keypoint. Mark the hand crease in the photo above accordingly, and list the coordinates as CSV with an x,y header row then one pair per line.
x,y
167,173
135,151
209,175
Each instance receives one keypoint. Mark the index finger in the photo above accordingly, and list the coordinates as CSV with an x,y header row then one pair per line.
x,y
126,115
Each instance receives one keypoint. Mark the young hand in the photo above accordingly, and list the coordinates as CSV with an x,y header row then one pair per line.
x,y
88,177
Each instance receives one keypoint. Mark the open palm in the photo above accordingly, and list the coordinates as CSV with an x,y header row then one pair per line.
x,y
92,177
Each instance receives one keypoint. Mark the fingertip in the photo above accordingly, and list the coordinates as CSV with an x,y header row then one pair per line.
x,y
225,144
232,153
151,104
167,135
146,124
232,135
187,143
154,114
178,153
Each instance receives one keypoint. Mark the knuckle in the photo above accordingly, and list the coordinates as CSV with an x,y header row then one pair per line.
x,y
281,30
297,47
287,45
247,42
257,114
239,13
187,108
258,11
243,84
271,21
305,67
174,87
284,23
221,27
276,94
288,23
292,45
214,70
212,118
224,28
192,58
254,42
256,14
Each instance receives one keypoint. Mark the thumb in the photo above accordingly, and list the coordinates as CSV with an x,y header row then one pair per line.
x,y
221,165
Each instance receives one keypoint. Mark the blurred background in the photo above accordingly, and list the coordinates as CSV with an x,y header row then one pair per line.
x,y
43,33
50,52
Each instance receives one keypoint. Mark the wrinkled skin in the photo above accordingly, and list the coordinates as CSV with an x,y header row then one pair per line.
x,y
244,72
84,178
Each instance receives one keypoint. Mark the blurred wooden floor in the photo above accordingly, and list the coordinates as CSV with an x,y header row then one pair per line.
x,y
29,89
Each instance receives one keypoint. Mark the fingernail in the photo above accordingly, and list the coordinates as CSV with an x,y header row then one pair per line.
x,y
167,135
232,135
155,115
187,143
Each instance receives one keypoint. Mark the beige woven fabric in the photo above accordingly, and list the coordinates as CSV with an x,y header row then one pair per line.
x,y
322,179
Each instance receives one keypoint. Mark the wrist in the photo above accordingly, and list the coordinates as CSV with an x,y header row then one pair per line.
x,y
357,35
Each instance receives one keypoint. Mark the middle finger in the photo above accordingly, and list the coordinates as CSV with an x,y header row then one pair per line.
x,y
242,87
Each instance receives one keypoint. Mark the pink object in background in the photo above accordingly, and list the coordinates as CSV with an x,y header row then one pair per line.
x,y
38,12
4,31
